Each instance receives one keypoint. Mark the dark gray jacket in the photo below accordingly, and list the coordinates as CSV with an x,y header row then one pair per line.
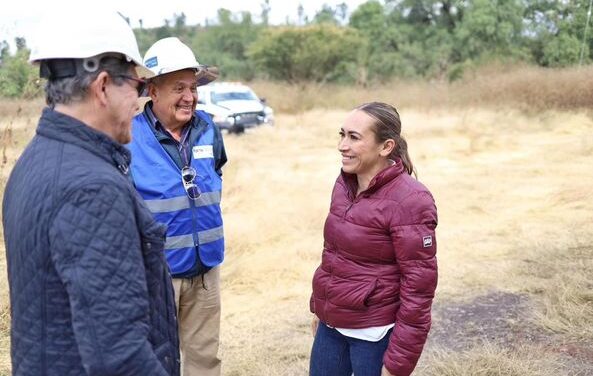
x,y
90,290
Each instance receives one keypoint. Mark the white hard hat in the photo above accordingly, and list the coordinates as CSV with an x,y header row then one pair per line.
x,y
170,54
77,36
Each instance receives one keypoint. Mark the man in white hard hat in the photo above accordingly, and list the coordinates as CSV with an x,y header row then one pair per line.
x,y
178,154
90,293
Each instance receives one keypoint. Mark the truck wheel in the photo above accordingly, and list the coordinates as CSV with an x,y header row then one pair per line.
x,y
238,129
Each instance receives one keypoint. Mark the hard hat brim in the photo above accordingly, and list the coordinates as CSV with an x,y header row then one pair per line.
x,y
206,74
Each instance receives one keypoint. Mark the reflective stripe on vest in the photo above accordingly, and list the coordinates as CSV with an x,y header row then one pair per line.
x,y
179,203
191,224
183,241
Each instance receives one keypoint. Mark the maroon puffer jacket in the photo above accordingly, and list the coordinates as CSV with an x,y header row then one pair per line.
x,y
378,264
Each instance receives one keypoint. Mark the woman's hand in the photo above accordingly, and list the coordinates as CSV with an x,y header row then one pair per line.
x,y
385,372
314,325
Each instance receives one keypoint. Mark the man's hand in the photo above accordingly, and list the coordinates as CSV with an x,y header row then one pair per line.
x,y
314,325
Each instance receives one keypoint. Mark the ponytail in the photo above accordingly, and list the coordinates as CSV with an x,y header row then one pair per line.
x,y
401,151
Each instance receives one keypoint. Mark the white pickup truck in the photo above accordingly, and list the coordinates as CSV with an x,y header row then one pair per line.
x,y
234,106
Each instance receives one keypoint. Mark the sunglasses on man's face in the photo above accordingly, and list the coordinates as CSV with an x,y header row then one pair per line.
x,y
188,177
141,84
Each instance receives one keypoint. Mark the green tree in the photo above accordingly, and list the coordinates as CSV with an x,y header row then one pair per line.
x,y
179,21
562,50
369,18
18,78
406,38
426,34
342,13
379,56
4,50
164,31
554,28
226,44
301,14
490,28
21,43
318,53
265,12
325,15
445,14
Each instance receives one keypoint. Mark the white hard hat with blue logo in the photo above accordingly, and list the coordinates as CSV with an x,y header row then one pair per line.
x,y
76,35
170,55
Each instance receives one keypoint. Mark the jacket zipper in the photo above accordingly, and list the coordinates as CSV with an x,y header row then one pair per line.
x,y
354,201
347,210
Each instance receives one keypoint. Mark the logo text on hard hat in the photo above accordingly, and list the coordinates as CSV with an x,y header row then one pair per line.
x,y
152,62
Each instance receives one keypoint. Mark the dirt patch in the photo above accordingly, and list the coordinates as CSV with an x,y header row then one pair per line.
x,y
502,319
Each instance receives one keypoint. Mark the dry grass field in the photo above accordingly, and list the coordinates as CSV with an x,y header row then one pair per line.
x,y
513,190
515,295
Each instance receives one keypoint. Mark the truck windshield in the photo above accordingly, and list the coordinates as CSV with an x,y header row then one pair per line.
x,y
233,96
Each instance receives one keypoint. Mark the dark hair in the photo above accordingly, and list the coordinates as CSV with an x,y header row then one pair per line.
x,y
388,126
65,90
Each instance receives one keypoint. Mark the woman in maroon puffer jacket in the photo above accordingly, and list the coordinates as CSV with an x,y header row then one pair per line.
x,y
373,291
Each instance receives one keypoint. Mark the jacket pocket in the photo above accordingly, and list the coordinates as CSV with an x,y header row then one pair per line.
x,y
386,292
349,293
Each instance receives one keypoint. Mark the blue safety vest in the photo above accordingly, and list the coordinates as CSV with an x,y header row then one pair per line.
x,y
193,226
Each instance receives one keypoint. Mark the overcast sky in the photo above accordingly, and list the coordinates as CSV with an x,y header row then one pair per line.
x,y
19,17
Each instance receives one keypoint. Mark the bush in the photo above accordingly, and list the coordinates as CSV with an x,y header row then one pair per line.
x,y
18,78
562,50
320,53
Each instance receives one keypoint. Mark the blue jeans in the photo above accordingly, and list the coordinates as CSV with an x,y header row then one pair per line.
x,y
335,354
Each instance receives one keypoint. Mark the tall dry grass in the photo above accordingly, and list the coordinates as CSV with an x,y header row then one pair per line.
x,y
513,192
528,88
488,360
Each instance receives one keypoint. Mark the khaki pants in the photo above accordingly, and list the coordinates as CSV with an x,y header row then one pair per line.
x,y
198,313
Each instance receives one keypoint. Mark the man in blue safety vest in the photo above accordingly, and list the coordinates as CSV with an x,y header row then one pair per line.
x,y
177,156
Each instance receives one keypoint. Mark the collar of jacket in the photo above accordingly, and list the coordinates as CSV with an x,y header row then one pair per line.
x,y
61,127
383,177
162,134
